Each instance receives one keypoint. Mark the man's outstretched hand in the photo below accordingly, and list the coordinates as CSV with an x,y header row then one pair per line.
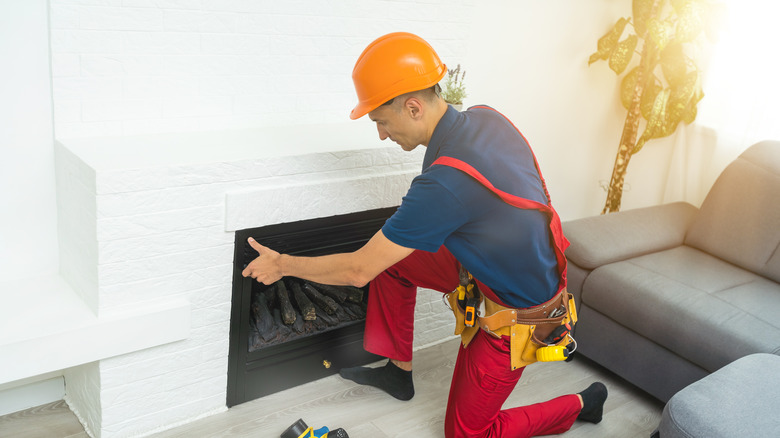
x,y
266,267
355,268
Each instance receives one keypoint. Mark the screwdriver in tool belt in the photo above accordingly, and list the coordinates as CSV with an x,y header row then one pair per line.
x,y
464,282
466,285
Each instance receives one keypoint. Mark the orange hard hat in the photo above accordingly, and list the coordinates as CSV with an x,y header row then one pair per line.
x,y
392,65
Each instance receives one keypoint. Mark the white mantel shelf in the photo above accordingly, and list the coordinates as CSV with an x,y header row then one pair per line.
x,y
146,231
105,154
45,326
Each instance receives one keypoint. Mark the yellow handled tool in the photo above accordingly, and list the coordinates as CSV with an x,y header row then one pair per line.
x,y
299,429
466,296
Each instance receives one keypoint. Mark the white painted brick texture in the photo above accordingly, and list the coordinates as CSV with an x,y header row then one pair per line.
x,y
433,320
167,231
149,66
144,233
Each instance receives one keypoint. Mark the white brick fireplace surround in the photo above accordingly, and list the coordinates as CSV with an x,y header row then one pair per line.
x,y
141,311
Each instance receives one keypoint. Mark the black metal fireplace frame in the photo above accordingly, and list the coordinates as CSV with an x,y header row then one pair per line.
x,y
274,368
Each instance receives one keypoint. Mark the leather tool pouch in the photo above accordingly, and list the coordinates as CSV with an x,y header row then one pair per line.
x,y
466,333
543,326
526,328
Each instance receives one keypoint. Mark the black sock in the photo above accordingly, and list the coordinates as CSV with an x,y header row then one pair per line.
x,y
389,378
593,399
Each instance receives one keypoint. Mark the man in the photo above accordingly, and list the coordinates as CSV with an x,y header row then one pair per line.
x,y
481,206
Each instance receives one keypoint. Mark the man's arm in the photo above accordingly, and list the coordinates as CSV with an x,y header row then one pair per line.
x,y
354,269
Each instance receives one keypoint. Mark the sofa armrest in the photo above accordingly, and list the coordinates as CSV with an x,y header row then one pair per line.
x,y
599,240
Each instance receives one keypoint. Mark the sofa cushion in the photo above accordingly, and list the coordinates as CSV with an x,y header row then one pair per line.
x,y
704,309
739,221
739,400
599,240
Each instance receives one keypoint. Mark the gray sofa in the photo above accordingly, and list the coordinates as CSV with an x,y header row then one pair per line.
x,y
669,294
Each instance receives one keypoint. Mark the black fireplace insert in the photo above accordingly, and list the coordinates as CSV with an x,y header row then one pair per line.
x,y
294,332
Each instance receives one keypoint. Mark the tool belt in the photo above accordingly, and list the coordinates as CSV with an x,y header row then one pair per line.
x,y
526,328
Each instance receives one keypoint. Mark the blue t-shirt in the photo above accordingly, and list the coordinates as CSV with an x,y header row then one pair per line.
x,y
507,248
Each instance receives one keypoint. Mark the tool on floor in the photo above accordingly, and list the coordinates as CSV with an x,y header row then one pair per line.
x,y
299,429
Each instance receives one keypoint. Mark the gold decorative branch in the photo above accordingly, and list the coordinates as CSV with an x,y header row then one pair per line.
x,y
664,87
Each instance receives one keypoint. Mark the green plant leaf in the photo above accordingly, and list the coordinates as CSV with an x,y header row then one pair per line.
x,y
653,86
681,96
674,64
650,90
641,10
659,33
608,42
691,110
690,20
454,90
690,114
622,54
627,86
656,122
658,112
667,124
640,143
678,5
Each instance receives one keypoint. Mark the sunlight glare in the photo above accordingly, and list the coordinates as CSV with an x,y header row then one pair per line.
x,y
741,79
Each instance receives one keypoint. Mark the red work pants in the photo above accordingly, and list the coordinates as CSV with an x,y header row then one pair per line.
x,y
482,379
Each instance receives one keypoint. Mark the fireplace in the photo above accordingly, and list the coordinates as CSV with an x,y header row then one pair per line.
x,y
293,331
148,225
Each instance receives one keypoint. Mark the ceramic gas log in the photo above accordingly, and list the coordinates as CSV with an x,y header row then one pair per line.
x,y
292,308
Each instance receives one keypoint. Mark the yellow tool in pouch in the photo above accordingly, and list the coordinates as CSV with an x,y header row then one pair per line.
x,y
522,326
526,345
466,332
552,353
555,347
468,297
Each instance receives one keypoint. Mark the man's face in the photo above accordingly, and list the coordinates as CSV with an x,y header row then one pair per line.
x,y
396,125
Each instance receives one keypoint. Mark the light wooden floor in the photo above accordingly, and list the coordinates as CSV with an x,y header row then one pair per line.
x,y
369,413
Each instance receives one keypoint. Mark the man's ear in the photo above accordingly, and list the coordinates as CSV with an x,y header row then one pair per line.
x,y
414,107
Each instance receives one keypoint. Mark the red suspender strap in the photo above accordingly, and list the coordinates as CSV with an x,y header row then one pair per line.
x,y
559,240
510,199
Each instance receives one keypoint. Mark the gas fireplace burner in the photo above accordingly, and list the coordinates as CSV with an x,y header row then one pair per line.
x,y
292,308
295,331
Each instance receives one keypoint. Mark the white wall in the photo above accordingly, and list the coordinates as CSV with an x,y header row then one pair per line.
x,y
529,59
141,66
28,210
28,214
